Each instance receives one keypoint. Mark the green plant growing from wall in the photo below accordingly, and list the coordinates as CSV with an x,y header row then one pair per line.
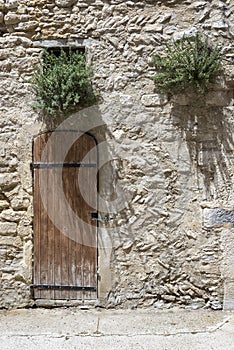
x,y
188,63
62,84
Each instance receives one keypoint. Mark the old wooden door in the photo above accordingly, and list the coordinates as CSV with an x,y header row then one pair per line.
x,y
65,207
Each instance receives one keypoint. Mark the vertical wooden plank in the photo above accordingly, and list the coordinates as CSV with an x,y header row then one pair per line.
x,y
88,176
40,276
50,225
42,217
74,245
50,232
58,244
57,210
36,226
36,222
65,245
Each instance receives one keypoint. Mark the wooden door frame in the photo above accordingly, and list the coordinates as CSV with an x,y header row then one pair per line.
x,y
97,187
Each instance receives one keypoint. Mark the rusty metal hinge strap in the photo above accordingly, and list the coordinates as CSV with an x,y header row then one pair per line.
x,y
57,287
62,165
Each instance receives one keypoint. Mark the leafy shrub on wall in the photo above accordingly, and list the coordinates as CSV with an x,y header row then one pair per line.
x,y
62,84
188,63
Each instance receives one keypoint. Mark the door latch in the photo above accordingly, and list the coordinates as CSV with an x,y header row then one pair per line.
x,y
94,217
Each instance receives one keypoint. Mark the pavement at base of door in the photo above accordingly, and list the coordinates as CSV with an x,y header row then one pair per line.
x,y
77,329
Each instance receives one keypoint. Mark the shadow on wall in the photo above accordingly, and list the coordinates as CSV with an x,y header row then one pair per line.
x,y
114,206
207,130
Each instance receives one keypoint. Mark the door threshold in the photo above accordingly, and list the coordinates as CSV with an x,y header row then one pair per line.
x,y
83,305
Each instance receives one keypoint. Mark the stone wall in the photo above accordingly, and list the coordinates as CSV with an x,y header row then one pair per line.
x,y
174,156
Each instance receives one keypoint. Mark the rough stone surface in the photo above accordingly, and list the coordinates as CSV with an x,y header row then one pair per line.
x,y
218,217
154,100
11,18
64,3
175,155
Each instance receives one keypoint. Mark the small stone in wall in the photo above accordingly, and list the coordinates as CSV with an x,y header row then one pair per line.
x,y
64,3
187,33
181,99
3,204
230,73
217,98
127,246
154,100
11,4
220,25
11,215
218,217
2,5
126,100
168,297
153,28
9,180
216,305
27,26
6,66
199,4
7,228
19,203
11,18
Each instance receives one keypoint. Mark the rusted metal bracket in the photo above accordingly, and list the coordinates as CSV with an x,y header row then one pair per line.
x,y
59,287
62,165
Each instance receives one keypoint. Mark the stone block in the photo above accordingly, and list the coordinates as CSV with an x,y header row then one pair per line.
x,y
153,28
227,266
7,228
220,25
11,4
11,18
20,203
218,217
218,98
3,204
8,180
199,4
181,99
64,3
2,5
126,100
229,70
27,26
228,299
152,100
10,241
127,246
3,56
11,215
6,66
187,33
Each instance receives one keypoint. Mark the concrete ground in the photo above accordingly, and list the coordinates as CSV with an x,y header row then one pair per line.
x,y
68,329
